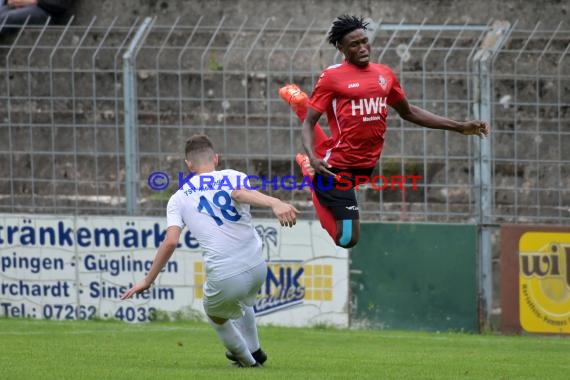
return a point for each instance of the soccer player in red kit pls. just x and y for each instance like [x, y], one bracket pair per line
[355, 96]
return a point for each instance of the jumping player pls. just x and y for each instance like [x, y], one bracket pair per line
[355, 96]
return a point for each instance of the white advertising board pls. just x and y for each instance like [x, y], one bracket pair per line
[77, 267]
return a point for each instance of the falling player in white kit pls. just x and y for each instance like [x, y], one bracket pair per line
[215, 207]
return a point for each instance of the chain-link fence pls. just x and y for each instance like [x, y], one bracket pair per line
[89, 112]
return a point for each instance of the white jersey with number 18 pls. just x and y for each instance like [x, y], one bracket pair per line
[222, 226]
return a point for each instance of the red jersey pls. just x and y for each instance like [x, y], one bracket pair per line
[356, 101]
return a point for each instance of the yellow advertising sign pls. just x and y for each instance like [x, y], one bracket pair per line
[544, 281]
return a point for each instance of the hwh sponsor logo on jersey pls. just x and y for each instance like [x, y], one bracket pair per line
[370, 106]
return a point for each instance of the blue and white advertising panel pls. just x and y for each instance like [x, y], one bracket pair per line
[77, 267]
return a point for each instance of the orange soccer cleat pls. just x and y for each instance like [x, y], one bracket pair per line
[293, 95]
[305, 165]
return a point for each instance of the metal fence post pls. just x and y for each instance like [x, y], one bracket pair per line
[131, 119]
[482, 110]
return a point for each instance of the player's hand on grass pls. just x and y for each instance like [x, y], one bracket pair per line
[475, 127]
[321, 167]
[137, 288]
[286, 213]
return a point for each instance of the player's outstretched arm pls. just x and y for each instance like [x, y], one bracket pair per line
[286, 213]
[427, 119]
[163, 254]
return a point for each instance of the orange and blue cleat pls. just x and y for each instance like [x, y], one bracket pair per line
[305, 165]
[293, 95]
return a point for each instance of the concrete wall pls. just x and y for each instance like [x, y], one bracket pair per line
[527, 12]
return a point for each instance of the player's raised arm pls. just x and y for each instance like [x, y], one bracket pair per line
[163, 254]
[286, 213]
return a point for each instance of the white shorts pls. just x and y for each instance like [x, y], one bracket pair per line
[225, 298]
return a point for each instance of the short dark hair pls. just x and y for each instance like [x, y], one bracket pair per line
[198, 144]
[343, 25]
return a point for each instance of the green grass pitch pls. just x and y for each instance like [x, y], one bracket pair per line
[31, 349]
